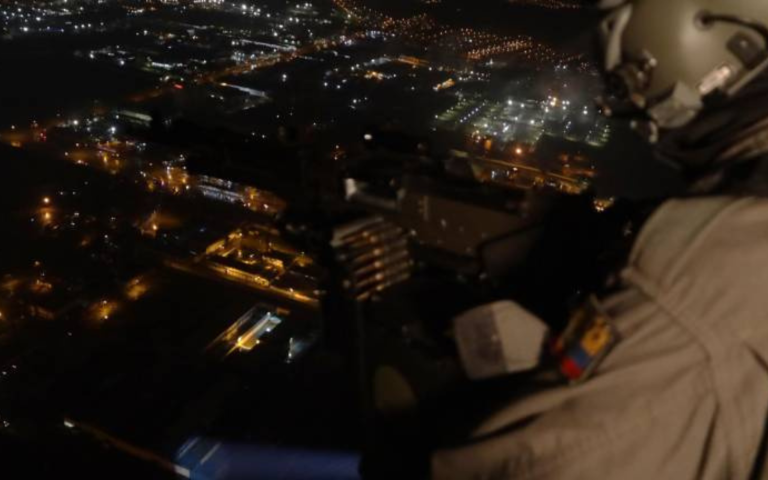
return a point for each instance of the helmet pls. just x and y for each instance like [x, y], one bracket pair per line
[667, 60]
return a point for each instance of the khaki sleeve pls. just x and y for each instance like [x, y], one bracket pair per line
[665, 441]
[649, 412]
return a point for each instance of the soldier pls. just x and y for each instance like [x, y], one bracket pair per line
[668, 375]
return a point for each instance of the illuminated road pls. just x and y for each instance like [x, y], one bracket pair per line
[207, 271]
[572, 185]
[126, 447]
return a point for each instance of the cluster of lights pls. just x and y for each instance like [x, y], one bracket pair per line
[550, 4]
[475, 45]
[528, 120]
[42, 17]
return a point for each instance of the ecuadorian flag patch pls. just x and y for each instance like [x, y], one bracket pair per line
[586, 341]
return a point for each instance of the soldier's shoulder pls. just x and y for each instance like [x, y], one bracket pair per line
[716, 236]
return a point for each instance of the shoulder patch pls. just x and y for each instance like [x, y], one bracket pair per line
[586, 341]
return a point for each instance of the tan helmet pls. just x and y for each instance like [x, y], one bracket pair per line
[666, 59]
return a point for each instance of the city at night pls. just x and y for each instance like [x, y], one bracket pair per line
[383, 239]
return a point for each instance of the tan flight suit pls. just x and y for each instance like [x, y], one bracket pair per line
[683, 394]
